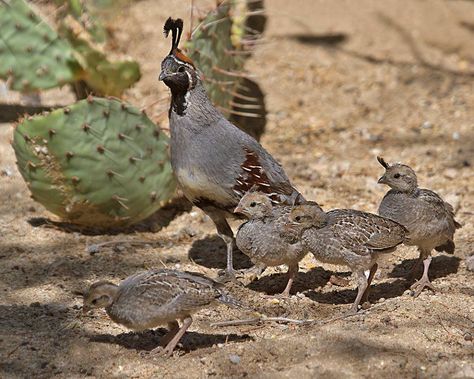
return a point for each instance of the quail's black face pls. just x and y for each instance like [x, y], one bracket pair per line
[178, 76]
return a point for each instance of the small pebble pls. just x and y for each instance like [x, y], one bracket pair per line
[470, 263]
[234, 358]
[468, 337]
[381, 300]
[427, 125]
[456, 136]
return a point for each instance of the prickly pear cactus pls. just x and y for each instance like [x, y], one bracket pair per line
[212, 50]
[104, 77]
[98, 163]
[219, 46]
[32, 56]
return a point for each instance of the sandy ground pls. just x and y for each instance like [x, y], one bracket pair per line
[345, 81]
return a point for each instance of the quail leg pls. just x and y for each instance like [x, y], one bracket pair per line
[373, 270]
[173, 328]
[362, 286]
[225, 232]
[255, 271]
[168, 350]
[424, 281]
[292, 271]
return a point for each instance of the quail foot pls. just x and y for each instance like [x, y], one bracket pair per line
[259, 238]
[157, 297]
[346, 237]
[428, 218]
[215, 163]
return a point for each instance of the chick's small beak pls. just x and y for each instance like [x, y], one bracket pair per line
[382, 180]
[238, 209]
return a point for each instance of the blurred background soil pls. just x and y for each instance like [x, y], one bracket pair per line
[345, 81]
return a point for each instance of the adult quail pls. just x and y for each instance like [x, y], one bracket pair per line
[428, 218]
[259, 238]
[346, 237]
[215, 163]
[156, 297]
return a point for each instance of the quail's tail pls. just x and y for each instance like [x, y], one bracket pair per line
[447, 247]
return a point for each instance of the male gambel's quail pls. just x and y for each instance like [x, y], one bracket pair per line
[215, 163]
[259, 237]
[346, 237]
[156, 297]
[429, 220]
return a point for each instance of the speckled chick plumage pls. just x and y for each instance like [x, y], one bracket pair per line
[259, 238]
[156, 297]
[428, 218]
[347, 237]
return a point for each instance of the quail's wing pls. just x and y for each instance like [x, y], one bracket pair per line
[439, 207]
[361, 231]
[168, 288]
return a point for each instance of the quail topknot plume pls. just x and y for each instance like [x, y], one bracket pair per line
[346, 237]
[156, 297]
[259, 238]
[428, 218]
[215, 162]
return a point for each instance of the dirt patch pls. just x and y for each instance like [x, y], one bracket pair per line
[345, 81]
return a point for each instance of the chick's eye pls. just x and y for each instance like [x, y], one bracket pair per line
[298, 218]
[94, 301]
[181, 69]
[396, 176]
[253, 204]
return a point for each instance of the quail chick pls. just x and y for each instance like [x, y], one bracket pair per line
[156, 297]
[259, 238]
[215, 163]
[429, 220]
[346, 237]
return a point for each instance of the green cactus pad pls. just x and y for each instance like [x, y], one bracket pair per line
[100, 74]
[211, 47]
[98, 162]
[31, 53]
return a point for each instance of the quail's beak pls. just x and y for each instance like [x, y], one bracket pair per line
[163, 75]
[382, 180]
[238, 209]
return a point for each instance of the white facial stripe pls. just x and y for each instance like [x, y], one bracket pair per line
[190, 80]
[181, 62]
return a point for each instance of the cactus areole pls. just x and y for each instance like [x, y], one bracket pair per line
[98, 162]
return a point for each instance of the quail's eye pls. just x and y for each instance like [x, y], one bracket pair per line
[396, 176]
[298, 218]
[181, 69]
[253, 204]
[94, 301]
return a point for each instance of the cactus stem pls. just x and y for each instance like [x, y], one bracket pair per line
[153, 196]
[101, 149]
[69, 155]
[75, 180]
[51, 133]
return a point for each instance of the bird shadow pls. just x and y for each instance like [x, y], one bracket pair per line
[158, 220]
[347, 296]
[211, 251]
[441, 266]
[329, 39]
[150, 339]
[275, 283]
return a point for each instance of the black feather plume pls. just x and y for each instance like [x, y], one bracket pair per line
[176, 28]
